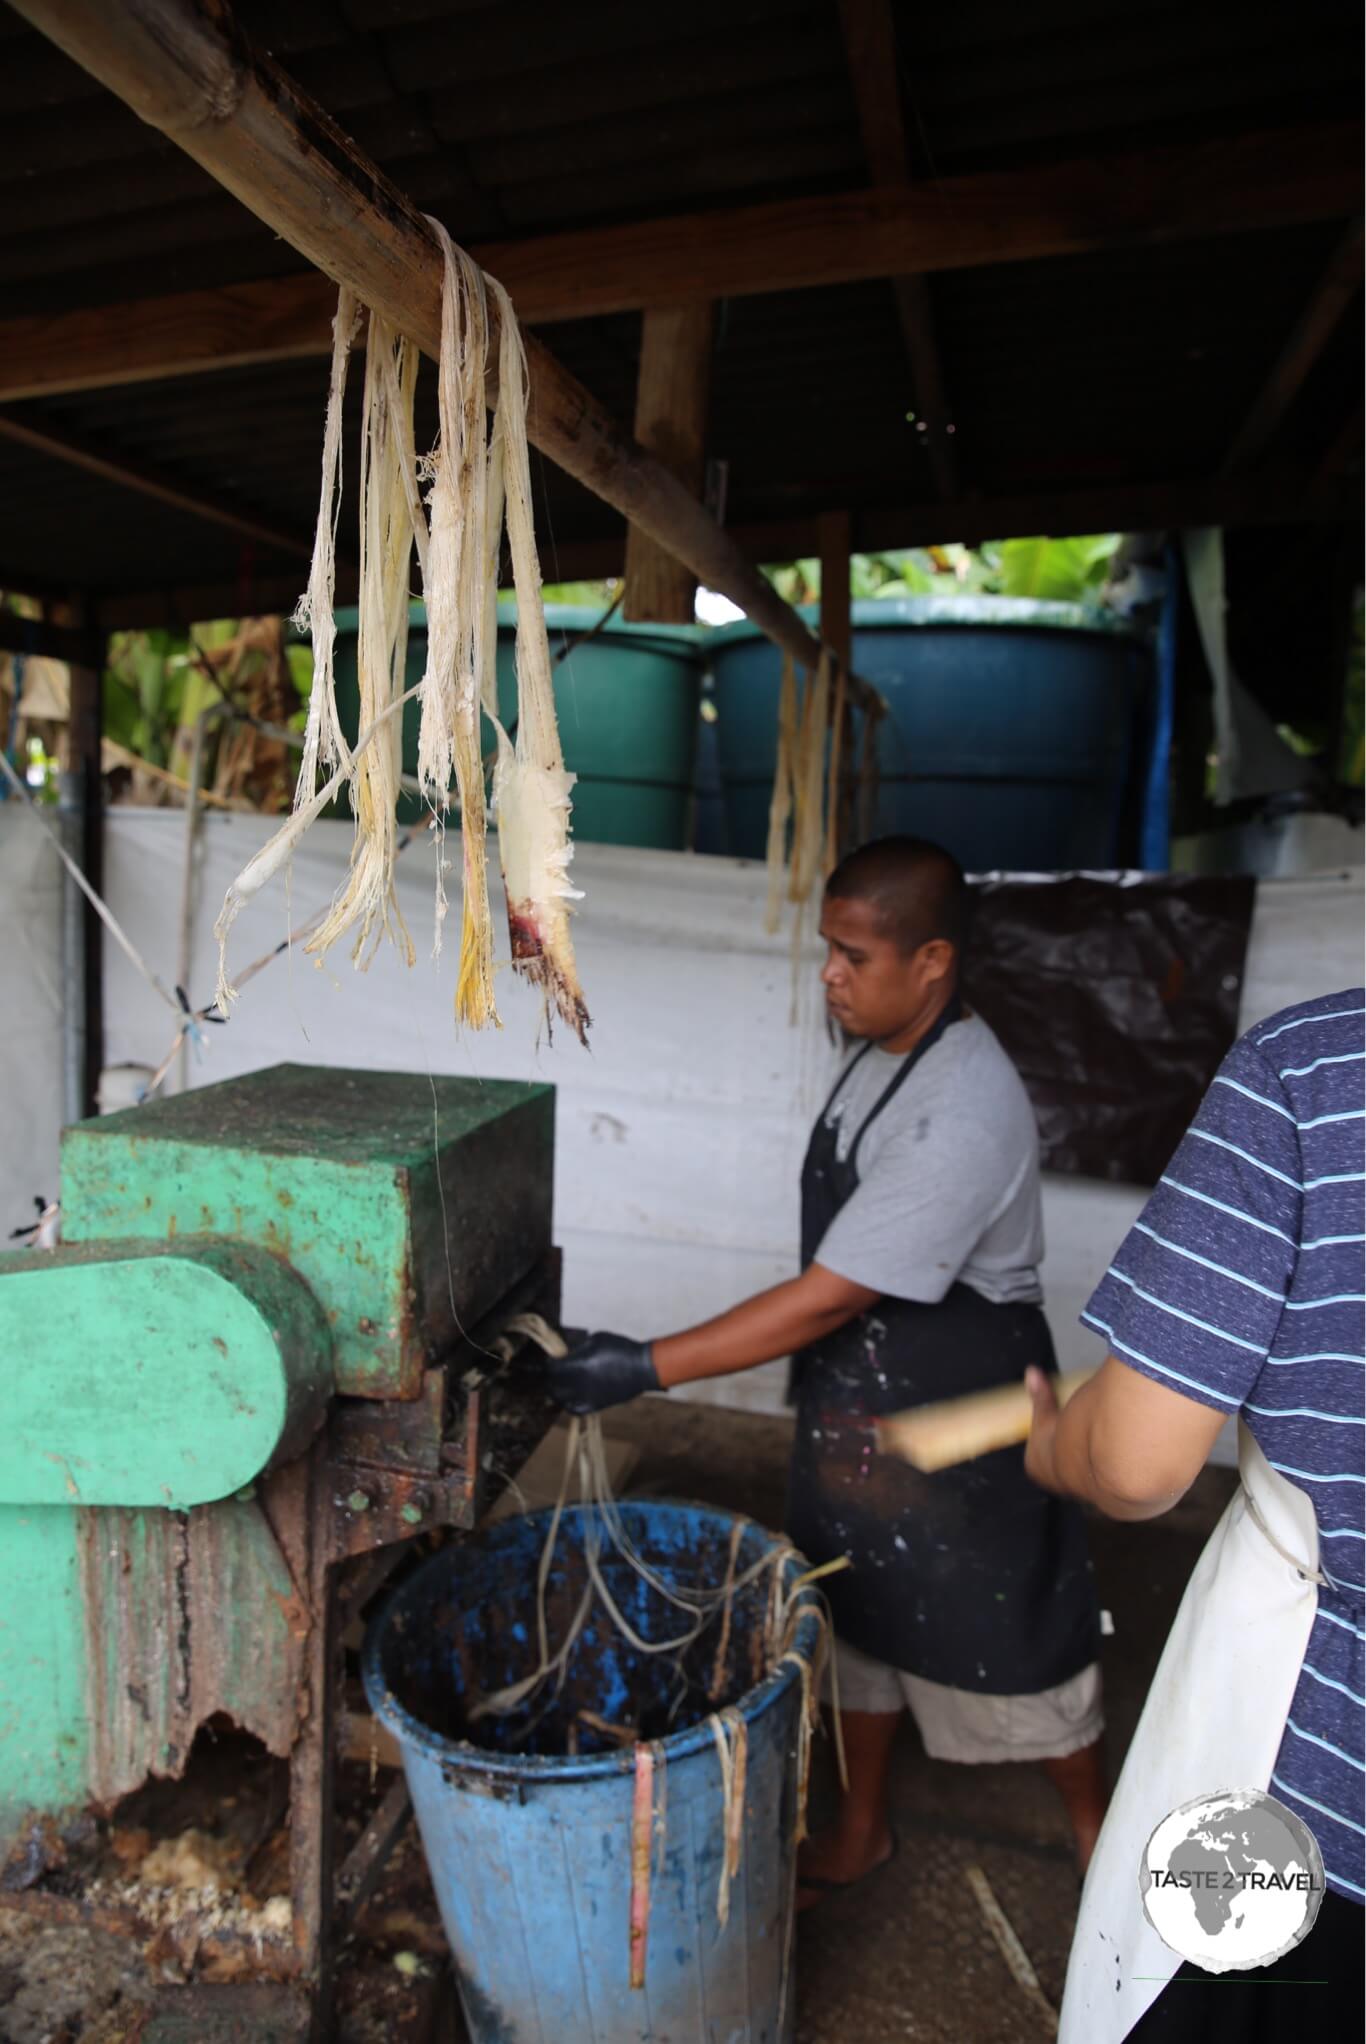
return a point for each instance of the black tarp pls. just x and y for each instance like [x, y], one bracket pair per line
[1116, 997]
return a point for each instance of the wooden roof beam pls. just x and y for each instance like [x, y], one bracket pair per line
[1270, 497]
[1181, 192]
[870, 51]
[189, 70]
[1308, 338]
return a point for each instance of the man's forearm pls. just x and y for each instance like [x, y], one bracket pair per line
[1078, 1464]
[773, 1323]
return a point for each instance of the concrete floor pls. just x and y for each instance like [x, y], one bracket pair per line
[907, 1955]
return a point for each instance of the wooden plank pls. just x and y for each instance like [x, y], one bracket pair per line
[871, 53]
[672, 394]
[370, 1854]
[1344, 449]
[191, 72]
[45, 639]
[312, 1762]
[149, 482]
[279, 319]
[1180, 192]
[1308, 338]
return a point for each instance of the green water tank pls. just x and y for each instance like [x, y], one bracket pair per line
[627, 701]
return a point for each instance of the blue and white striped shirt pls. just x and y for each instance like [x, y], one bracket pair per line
[1242, 1286]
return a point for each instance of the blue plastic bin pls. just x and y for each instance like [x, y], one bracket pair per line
[530, 1850]
[1012, 730]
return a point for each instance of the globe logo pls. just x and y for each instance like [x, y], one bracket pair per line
[1231, 1880]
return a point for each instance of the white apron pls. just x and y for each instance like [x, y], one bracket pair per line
[1214, 1719]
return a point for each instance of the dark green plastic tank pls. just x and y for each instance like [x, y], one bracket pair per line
[1010, 737]
[627, 702]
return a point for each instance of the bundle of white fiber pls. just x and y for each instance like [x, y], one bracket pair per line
[805, 793]
[474, 478]
[368, 902]
[530, 784]
[458, 641]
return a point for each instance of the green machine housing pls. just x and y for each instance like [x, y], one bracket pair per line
[267, 1355]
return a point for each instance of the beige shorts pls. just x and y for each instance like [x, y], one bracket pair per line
[962, 1724]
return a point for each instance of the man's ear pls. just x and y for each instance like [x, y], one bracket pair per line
[940, 958]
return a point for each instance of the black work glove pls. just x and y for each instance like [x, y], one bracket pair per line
[603, 1370]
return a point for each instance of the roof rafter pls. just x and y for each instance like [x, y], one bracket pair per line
[1180, 192]
[1307, 340]
[870, 50]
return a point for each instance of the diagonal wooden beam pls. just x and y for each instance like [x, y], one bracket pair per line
[1308, 338]
[871, 55]
[149, 482]
[1183, 191]
[187, 68]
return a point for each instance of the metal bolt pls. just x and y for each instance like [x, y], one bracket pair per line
[416, 1509]
[359, 1501]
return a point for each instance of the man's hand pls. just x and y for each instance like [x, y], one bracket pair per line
[1123, 1443]
[1040, 1449]
[604, 1369]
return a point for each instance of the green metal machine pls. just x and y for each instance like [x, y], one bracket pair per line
[261, 1362]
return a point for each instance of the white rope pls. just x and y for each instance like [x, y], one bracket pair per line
[102, 910]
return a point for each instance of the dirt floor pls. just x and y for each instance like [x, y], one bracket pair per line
[909, 1955]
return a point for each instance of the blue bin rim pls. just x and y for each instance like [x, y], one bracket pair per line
[529, 1768]
[680, 642]
[882, 613]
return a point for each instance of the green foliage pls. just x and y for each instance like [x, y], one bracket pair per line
[1058, 570]
[591, 595]
[144, 690]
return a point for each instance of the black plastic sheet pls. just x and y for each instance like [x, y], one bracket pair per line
[1116, 997]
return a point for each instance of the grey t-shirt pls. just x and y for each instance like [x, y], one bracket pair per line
[948, 1175]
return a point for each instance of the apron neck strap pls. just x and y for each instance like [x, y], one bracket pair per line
[951, 1012]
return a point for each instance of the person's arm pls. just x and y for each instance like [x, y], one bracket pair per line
[778, 1322]
[1123, 1443]
[607, 1369]
[1190, 1306]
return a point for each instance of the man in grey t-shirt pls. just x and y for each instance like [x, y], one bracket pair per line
[967, 1596]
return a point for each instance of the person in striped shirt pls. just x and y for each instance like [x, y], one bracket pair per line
[1240, 1292]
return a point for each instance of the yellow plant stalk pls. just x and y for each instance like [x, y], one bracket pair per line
[457, 635]
[530, 784]
[780, 809]
[808, 779]
[476, 479]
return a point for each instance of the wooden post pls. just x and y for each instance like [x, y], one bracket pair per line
[671, 423]
[81, 823]
[189, 70]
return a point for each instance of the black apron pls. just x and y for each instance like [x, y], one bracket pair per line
[972, 1576]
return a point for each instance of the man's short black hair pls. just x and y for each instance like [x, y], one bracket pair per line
[916, 888]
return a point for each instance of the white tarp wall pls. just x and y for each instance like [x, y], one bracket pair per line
[30, 1016]
[680, 1133]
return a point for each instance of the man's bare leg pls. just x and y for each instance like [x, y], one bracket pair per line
[861, 1836]
[1079, 1779]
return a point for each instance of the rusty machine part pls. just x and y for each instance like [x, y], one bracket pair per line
[269, 1356]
